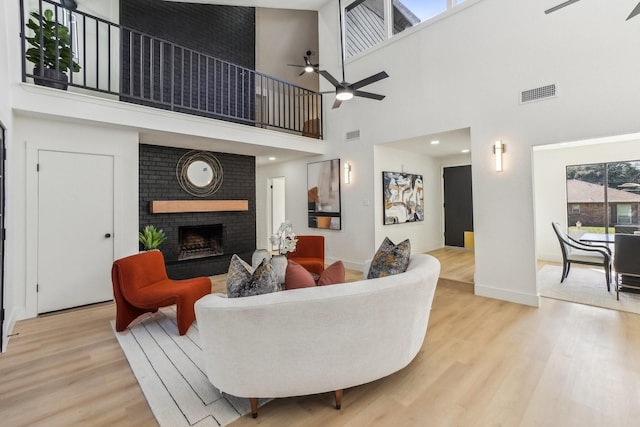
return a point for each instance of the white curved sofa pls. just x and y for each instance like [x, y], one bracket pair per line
[320, 339]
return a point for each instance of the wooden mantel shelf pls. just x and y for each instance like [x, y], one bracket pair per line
[180, 206]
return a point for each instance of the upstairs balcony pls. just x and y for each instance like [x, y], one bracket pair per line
[106, 59]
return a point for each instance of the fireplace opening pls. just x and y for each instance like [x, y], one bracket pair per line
[199, 241]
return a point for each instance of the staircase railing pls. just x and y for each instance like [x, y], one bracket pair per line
[147, 70]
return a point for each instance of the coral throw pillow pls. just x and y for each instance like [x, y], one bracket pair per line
[332, 275]
[297, 277]
[390, 259]
[244, 281]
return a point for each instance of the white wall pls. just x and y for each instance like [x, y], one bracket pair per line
[467, 71]
[282, 34]
[31, 134]
[550, 188]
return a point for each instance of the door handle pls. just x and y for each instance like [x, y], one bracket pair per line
[108, 235]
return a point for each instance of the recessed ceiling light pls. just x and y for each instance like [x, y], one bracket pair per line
[272, 158]
[466, 150]
[435, 142]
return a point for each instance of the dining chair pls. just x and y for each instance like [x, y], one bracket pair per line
[626, 262]
[576, 252]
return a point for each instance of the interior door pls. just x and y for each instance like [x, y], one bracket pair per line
[277, 205]
[75, 227]
[458, 204]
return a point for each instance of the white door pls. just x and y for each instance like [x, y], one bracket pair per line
[75, 227]
[277, 205]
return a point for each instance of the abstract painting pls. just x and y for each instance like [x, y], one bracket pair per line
[403, 197]
[323, 194]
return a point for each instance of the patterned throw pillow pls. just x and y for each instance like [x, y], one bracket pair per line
[390, 259]
[244, 281]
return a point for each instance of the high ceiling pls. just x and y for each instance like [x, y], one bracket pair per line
[278, 4]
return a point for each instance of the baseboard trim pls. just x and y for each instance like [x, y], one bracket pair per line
[506, 295]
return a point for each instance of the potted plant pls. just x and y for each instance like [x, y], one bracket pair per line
[50, 50]
[151, 237]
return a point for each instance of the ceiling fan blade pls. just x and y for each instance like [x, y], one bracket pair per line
[295, 65]
[372, 79]
[336, 104]
[634, 12]
[560, 6]
[302, 72]
[369, 95]
[329, 77]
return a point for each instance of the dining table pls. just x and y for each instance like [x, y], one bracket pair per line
[598, 238]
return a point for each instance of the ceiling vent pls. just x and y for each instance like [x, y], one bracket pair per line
[544, 92]
[354, 134]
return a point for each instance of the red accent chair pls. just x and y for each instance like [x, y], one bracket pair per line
[309, 253]
[141, 285]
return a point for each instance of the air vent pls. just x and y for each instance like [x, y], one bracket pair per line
[538, 93]
[354, 134]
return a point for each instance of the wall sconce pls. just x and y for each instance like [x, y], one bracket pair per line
[498, 149]
[347, 173]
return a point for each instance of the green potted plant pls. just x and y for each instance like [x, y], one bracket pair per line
[50, 50]
[151, 237]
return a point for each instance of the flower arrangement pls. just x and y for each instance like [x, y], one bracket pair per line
[285, 239]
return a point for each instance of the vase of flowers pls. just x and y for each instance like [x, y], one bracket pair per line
[285, 240]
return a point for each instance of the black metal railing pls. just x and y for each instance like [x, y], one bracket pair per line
[101, 56]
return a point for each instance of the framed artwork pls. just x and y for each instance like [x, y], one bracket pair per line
[403, 197]
[323, 194]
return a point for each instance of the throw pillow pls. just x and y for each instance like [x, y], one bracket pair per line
[244, 281]
[390, 259]
[332, 275]
[297, 277]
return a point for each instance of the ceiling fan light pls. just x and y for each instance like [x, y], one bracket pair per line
[343, 94]
[308, 68]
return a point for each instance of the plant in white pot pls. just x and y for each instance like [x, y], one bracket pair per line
[50, 50]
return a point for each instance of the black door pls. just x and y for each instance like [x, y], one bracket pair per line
[458, 204]
[2, 169]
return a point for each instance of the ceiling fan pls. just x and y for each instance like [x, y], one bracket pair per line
[308, 66]
[344, 89]
[634, 12]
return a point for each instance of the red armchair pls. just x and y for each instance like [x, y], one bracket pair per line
[309, 253]
[141, 285]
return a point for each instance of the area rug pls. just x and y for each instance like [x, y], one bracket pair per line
[170, 371]
[584, 286]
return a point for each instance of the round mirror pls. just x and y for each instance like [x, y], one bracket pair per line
[199, 173]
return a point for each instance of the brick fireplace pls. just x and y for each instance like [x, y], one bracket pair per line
[198, 243]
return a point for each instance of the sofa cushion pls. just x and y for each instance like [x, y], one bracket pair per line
[390, 259]
[332, 275]
[297, 277]
[244, 281]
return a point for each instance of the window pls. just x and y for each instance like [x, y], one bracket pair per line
[603, 196]
[366, 20]
[364, 26]
[407, 13]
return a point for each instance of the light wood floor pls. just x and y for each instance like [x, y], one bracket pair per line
[484, 363]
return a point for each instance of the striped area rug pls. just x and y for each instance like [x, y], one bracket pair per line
[170, 371]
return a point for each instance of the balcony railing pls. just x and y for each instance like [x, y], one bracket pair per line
[147, 70]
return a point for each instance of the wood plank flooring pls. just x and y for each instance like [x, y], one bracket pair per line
[484, 363]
